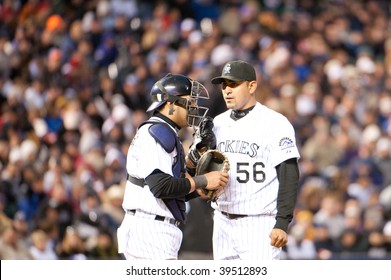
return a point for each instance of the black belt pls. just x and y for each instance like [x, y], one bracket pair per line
[136, 181]
[233, 216]
[157, 218]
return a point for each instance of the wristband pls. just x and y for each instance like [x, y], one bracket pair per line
[200, 181]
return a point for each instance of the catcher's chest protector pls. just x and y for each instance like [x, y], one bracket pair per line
[168, 139]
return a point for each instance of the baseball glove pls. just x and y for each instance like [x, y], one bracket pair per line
[212, 160]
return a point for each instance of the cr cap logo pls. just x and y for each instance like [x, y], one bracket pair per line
[227, 69]
[286, 143]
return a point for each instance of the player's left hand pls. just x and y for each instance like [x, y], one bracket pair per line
[278, 237]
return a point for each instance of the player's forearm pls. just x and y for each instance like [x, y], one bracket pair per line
[164, 185]
[288, 176]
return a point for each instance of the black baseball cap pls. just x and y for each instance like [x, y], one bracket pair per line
[236, 71]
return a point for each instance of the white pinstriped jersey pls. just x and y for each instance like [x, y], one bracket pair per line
[144, 156]
[255, 145]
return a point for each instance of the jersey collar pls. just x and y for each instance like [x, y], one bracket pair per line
[238, 114]
[167, 120]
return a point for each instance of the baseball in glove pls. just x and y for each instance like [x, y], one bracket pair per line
[212, 160]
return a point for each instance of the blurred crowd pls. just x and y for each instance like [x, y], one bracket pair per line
[74, 85]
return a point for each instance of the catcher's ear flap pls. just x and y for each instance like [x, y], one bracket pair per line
[203, 164]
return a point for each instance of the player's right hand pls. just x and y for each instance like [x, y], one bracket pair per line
[217, 180]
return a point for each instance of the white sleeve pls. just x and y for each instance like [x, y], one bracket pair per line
[284, 143]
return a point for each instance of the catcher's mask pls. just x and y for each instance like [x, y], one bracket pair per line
[171, 88]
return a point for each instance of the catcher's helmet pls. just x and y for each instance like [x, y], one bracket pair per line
[171, 87]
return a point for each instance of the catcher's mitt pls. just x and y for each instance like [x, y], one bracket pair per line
[212, 160]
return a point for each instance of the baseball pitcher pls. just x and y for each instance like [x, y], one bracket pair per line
[253, 212]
